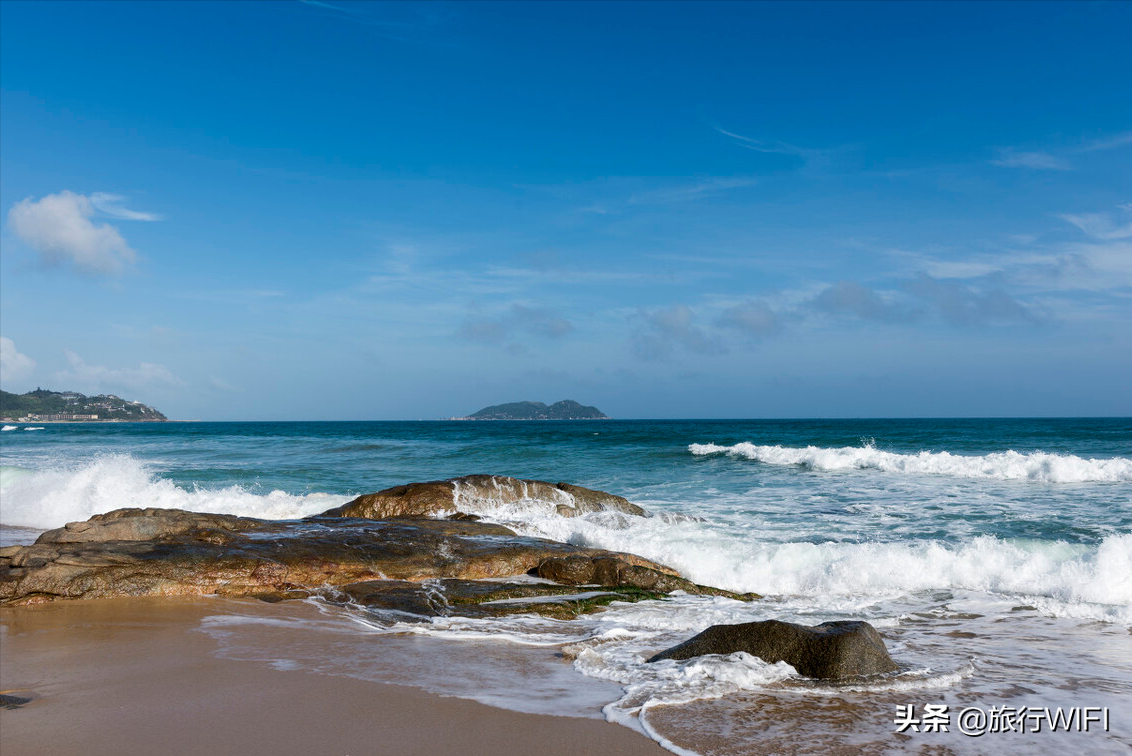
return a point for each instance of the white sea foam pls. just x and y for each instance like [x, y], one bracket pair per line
[677, 682]
[37, 427]
[52, 498]
[9, 474]
[1077, 580]
[1072, 579]
[1009, 465]
[10, 428]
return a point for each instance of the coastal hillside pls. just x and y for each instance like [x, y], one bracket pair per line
[567, 409]
[42, 405]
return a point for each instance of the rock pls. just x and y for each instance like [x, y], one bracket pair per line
[831, 650]
[578, 569]
[587, 570]
[479, 599]
[150, 524]
[9, 701]
[137, 552]
[481, 493]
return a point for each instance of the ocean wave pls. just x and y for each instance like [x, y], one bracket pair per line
[9, 474]
[10, 428]
[1084, 580]
[51, 498]
[1010, 465]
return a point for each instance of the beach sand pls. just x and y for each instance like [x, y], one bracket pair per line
[135, 676]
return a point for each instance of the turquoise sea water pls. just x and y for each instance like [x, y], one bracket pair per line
[1002, 528]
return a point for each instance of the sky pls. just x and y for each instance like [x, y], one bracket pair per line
[360, 211]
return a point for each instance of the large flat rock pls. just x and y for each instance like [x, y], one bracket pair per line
[138, 552]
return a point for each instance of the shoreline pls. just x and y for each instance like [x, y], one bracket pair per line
[136, 675]
[90, 422]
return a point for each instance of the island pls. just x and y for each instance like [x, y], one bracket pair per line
[567, 409]
[43, 406]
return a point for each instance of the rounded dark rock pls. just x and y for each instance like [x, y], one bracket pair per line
[831, 650]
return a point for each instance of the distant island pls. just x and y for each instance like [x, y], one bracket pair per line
[564, 410]
[42, 406]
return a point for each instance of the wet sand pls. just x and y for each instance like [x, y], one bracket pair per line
[126, 676]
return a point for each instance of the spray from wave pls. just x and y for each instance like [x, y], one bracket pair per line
[51, 498]
[1085, 580]
[1010, 465]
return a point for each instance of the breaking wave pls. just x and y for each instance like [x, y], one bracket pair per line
[1085, 580]
[1010, 465]
[51, 498]
[1071, 579]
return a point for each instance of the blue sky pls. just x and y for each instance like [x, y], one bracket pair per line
[308, 210]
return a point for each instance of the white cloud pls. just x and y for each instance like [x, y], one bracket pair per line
[687, 192]
[752, 317]
[1046, 161]
[1008, 158]
[110, 204]
[95, 379]
[1100, 266]
[1102, 225]
[1108, 143]
[534, 321]
[13, 365]
[813, 157]
[658, 331]
[59, 228]
[768, 145]
[853, 298]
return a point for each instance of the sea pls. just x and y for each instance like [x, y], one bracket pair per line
[993, 555]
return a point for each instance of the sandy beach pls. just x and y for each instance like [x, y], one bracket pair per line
[125, 676]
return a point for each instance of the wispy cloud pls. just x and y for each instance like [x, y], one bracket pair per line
[59, 228]
[692, 191]
[1103, 225]
[1063, 270]
[1042, 161]
[1055, 160]
[88, 378]
[615, 195]
[770, 145]
[111, 204]
[1107, 143]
